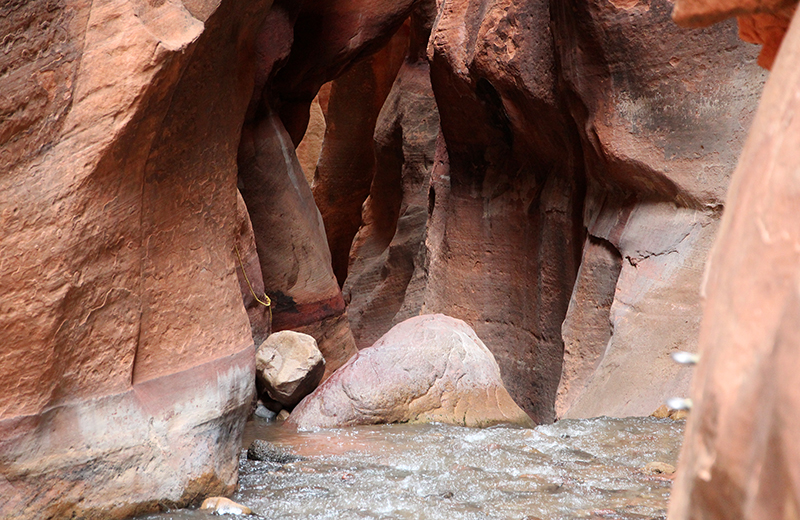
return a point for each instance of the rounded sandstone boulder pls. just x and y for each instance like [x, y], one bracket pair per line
[430, 368]
[288, 366]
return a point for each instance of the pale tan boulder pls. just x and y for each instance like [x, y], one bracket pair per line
[430, 368]
[289, 366]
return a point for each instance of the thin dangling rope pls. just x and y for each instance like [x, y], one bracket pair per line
[266, 302]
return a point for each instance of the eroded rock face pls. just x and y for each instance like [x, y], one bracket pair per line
[388, 248]
[578, 177]
[309, 148]
[430, 368]
[740, 457]
[347, 159]
[658, 158]
[117, 226]
[295, 256]
[504, 236]
[289, 366]
[251, 283]
[290, 239]
[536, 164]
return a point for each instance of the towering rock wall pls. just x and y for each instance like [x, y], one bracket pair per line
[663, 120]
[118, 220]
[296, 263]
[740, 457]
[127, 366]
[386, 249]
[552, 172]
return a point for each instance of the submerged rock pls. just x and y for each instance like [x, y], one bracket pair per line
[264, 413]
[268, 452]
[430, 368]
[289, 366]
[225, 506]
[664, 412]
[658, 468]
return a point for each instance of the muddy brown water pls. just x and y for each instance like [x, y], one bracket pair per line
[574, 469]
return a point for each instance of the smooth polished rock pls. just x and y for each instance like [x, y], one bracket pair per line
[430, 368]
[127, 368]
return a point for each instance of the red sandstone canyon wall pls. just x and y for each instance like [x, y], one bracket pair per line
[119, 134]
[551, 172]
[557, 185]
[739, 458]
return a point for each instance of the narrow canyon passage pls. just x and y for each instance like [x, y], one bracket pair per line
[515, 201]
[547, 172]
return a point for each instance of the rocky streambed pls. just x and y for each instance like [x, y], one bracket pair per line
[588, 469]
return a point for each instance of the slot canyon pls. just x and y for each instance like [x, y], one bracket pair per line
[578, 189]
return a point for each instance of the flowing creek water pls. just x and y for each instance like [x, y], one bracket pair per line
[574, 469]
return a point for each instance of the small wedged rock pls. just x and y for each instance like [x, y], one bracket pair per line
[430, 368]
[289, 366]
[268, 452]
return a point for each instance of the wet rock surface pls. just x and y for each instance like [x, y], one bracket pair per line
[267, 452]
[224, 506]
[430, 368]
